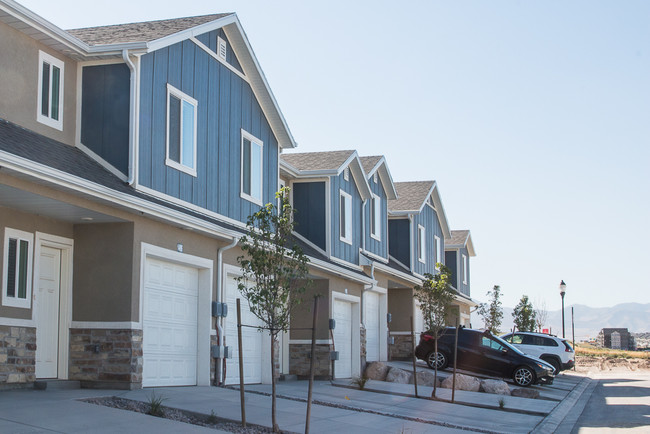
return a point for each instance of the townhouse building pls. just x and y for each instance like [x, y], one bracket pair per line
[130, 158]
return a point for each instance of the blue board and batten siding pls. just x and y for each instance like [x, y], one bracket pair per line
[309, 205]
[428, 218]
[454, 260]
[377, 247]
[399, 240]
[226, 104]
[105, 113]
[341, 249]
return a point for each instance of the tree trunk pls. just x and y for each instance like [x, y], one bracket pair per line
[276, 428]
[435, 367]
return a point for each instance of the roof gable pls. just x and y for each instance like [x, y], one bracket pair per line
[461, 239]
[413, 197]
[377, 164]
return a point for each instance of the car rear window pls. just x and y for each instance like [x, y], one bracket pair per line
[548, 342]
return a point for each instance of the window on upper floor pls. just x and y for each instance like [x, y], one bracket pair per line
[50, 91]
[375, 217]
[464, 269]
[181, 131]
[252, 151]
[438, 248]
[345, 217]
[17, 269]
[421, 244]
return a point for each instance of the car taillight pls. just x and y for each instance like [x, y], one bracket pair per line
[426, 337]
[567, 347]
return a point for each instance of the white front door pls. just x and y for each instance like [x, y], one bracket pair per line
[342, 314]
[372, 326]
[47, 313]
[252, 339]
[170, 324]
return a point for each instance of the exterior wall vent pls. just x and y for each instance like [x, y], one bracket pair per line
[221, 48]
[346, 173]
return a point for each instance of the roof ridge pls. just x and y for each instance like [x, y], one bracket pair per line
[151, 21]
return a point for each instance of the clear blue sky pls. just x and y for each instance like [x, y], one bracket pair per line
[533, 116]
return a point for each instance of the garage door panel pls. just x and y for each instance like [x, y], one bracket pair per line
[170, 327]
[342, 313]
[372, 324]
[251, 338]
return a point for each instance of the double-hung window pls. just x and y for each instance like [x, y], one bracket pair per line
[422, 246]
[438, 248]
[50, 91]
[252, 152]
[181, 131]
[464, 270]
[375, 217]
[345, 213]
[17, 269]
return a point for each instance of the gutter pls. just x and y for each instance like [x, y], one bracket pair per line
[219, 321]
[132, 116]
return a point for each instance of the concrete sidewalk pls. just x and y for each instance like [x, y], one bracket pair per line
[335, 409]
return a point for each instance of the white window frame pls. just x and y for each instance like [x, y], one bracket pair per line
[422, 244]
[347, 224]
[171, 90]
[47, 120]
[222, 53]
[15, 301]
[254, 140]
[375, 205]
[464, 269]
[438, 247]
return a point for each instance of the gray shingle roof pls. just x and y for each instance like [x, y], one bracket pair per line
[458, 238]
[331, 160]
[140, 32]
[410, 195]
[369, 163]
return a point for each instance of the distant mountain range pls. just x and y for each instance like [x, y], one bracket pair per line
[588, 320]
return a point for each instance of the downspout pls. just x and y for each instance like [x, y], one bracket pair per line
[219, 321]
[132, 117]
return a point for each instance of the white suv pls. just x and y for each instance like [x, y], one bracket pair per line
[556, 351]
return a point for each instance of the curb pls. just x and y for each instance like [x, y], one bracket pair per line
[551, 423]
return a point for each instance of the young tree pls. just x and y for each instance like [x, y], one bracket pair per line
[435, 297]
[541, 314]
[524, 315]
[492, 312]
[274, 272]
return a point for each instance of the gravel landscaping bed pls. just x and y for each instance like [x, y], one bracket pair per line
[209, 421]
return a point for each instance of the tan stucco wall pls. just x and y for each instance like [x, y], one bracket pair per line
[302, 317]
[19, 90]
[10, 218]
[103, 272]
[400, 306]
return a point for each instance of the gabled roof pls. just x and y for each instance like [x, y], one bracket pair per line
[377, 164]
[146, 31]
[413, 196]
[460, 239]
[329, 163]
[140, 38]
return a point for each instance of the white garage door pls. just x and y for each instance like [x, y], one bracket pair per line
[372, 326]
[169, 340]
[418, 322]
[251, 338]
[342, 313]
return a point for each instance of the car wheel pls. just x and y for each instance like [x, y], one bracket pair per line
[553, 362]
[441, 360]
[523, 376]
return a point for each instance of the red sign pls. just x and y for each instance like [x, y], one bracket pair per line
[545, 331]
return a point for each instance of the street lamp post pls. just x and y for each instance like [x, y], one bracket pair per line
[562, 292]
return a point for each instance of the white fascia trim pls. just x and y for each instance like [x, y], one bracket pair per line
[358, 174]
[346, 263]
[190, 33]
[391, 271]
[440, 211]
[306, 241]
[17, 322]
[214, 55]
[105, 164]
[342, 272]
[401, 333]
[80, 185]
[292, 143]
[374, 256]
[191, 206]
[106, 325]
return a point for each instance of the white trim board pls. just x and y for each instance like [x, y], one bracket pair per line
[112, 325]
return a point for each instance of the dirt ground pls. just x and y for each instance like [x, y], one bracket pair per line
[599, 364]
